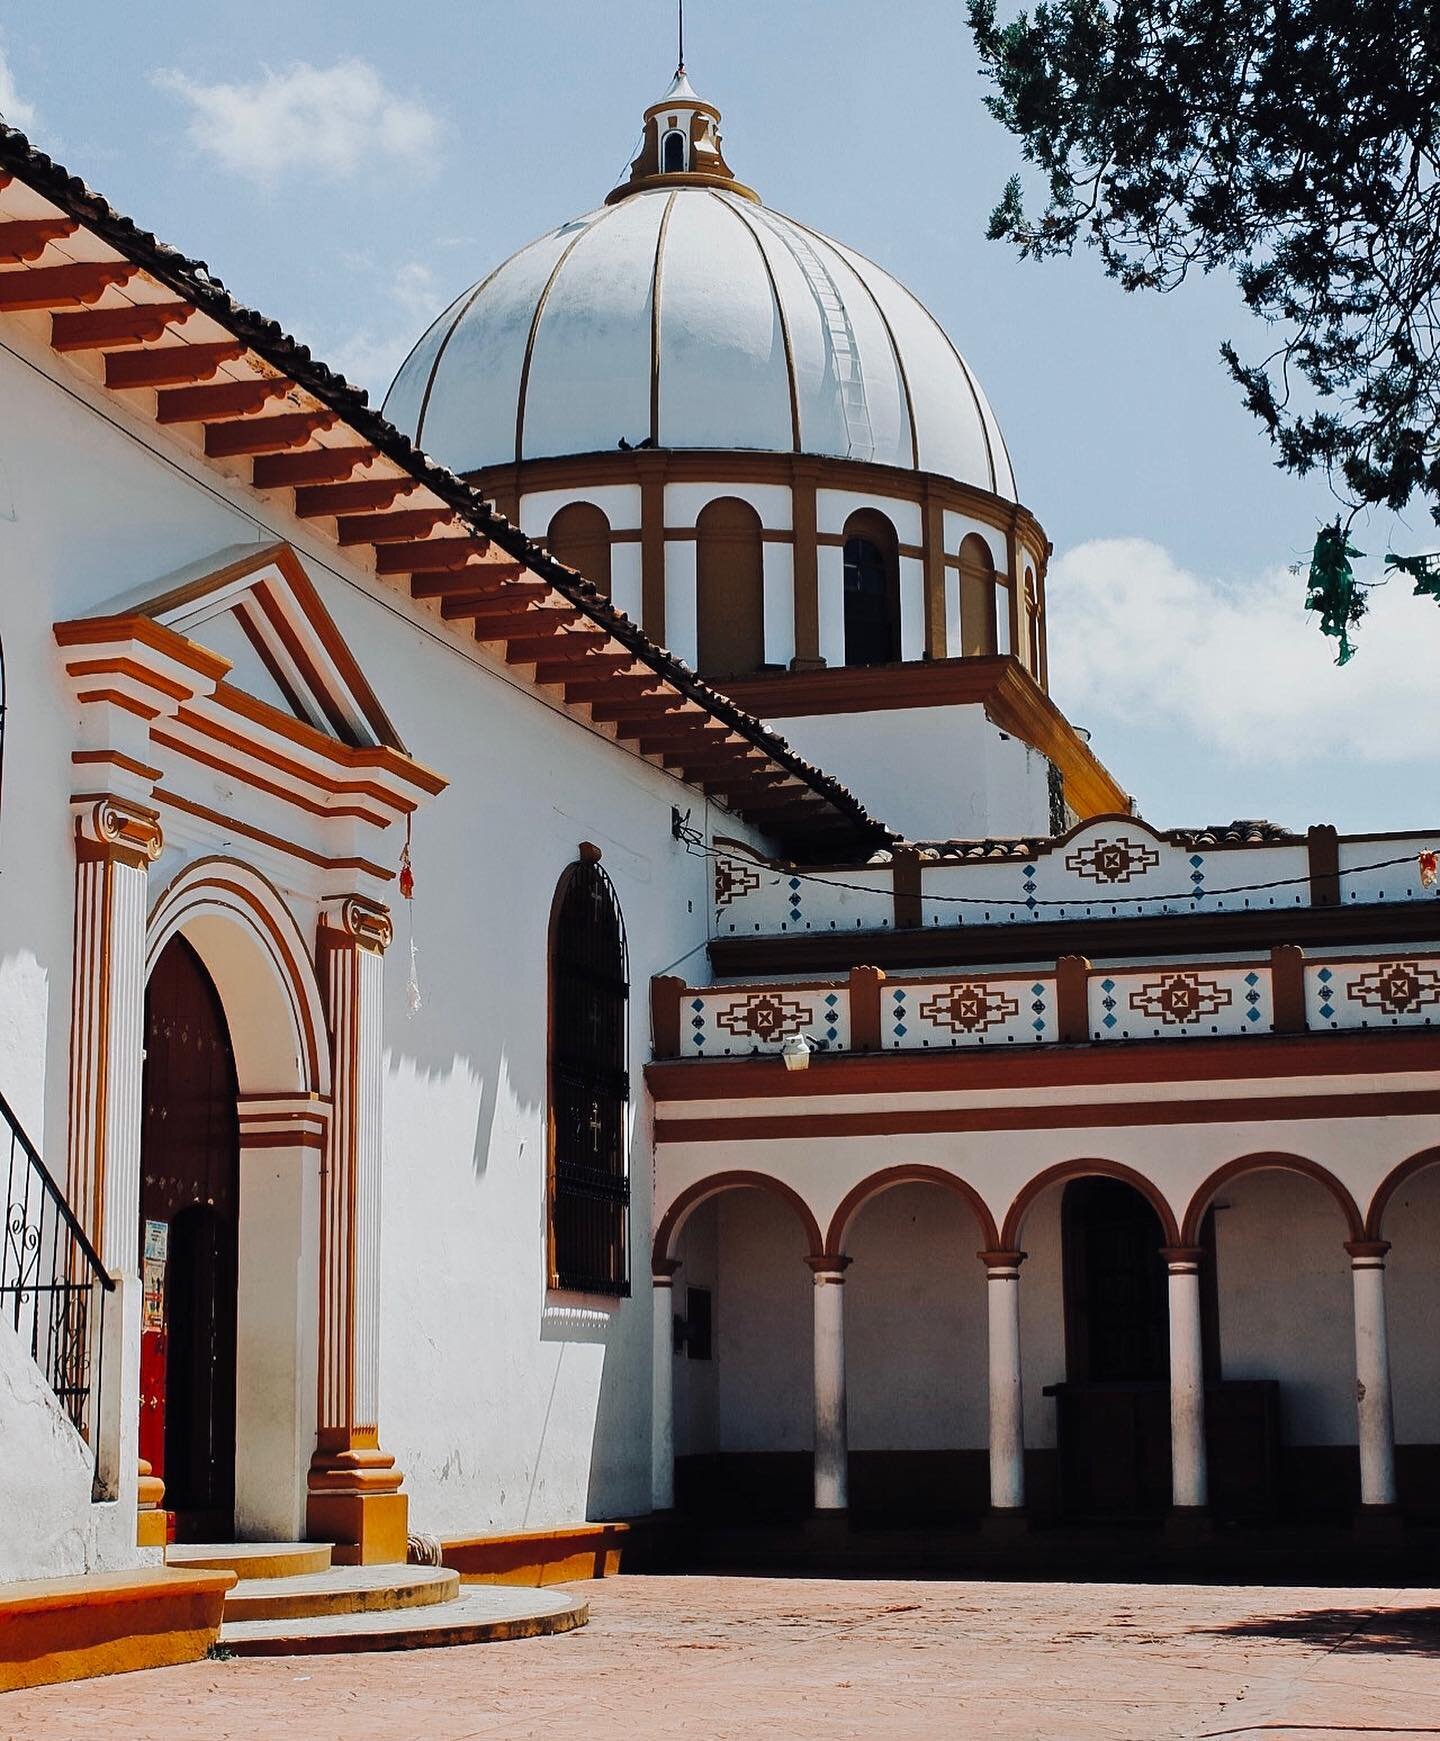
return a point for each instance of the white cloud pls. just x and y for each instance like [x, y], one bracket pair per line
[1241, 667]
[12, 109]
[330, 121]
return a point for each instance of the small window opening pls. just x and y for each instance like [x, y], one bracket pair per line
[673, 153]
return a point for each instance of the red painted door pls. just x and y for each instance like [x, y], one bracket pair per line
[189, 1224]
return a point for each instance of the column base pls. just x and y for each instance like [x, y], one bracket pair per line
[1380, 1525]
[368, 1529]
[151, 1525]
[827, 1529]
[1187, 1524]
[1003, 1524]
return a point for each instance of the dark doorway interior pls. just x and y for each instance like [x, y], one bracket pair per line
[189, 1227]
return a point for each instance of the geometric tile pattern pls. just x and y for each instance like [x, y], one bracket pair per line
[1112, 861]
[1397, 987]
[766, 1014]
[1401, 993]
[732, 880]
[1177, 998]
[727, 1023]
[966, 1012]
[1179, 1002]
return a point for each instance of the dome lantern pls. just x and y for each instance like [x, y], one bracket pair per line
[680, 147]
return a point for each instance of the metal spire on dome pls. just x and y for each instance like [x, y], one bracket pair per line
[680, 64]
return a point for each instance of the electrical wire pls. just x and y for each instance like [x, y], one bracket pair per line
[696, 844]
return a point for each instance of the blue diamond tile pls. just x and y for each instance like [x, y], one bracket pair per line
[697, 1003]
[899, 1030]
[1038, 1026]
[899, 996]
[832, 999]
[1037, 991]
[1107, 985]
[1252, 1015]
[1325, 975]
[1030, 901]
[1252, 979]
[1109, 1021]
[1326, 1011]
[1196, 860]
[831, 1034]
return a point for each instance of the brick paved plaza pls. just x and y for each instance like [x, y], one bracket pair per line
[734, 1657]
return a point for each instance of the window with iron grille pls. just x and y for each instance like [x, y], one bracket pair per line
[589, 1084]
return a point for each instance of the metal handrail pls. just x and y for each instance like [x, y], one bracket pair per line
[52, 1283]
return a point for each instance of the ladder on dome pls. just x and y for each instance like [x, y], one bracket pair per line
[859, 433]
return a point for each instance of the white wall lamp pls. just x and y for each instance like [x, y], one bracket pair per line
[796, 1050]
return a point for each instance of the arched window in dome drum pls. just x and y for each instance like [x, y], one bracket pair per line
[589, 1082]
[1032, 626]
[673, 153]
[872, 590]
[730, 589]
[978, 634]
[579, 535]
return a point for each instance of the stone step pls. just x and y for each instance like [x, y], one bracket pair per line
[481, 1614]
[342, 1590]
[60, 1629]
[251, 1560]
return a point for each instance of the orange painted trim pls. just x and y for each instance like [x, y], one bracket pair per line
[882, 1181]
[1088, 1169]
[103, 631]
[1105, 1115]
[694, 1195]
[233, 825]
[1267, 1162]
[1096, 1064]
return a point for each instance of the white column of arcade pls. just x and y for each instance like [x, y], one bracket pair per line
[1189, 1475]
[832, 1449]
[1372, 1372]
[662, 1407]
[1007, 1410]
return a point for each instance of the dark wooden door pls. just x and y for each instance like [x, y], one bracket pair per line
[189, 1226]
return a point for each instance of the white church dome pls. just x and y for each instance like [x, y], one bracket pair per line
[684, 314]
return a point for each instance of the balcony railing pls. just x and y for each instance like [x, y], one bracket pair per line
[1072, 1003]
[52, 1284]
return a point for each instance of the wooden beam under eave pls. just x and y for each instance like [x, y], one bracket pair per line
[325, 465]
[565, 671]
[257, 435]
[226, 399]
[616, 688]
[170, 366]
[575, 644]
[138, 323]
[494, 605]
[429, 555]
[45, 287]
[408, 523]
[674, 726]
[359, 496]
[28, 238]
[637, 708]
[474, 577]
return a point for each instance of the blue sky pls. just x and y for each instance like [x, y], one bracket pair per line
[349, 168]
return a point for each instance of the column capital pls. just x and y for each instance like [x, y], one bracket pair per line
[1183, 1259]
[1002, 1265]
[109, 827]
[1367, 1253]
[829, 1266]
[361, 920]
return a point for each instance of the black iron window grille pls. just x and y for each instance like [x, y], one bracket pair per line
[52, 1283]
[589, 1086]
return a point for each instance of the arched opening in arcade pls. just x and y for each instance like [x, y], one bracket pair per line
[1409, 1218]
[979, 623]
[1283, 1409]
[915, 1351]
[872, 590]
[743, 1359]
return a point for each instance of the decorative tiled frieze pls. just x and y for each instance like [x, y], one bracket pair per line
[1181, 1003]
[745, 1022]
[929, 1013]
[1397, 992]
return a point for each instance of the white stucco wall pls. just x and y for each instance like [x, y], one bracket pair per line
[933, 773]
[503, 1407]
[1412, 1224]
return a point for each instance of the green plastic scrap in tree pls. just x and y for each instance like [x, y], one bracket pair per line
[1334, 591]
[1423, 570]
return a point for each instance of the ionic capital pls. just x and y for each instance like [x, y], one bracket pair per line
[117, 828]
[363, 921]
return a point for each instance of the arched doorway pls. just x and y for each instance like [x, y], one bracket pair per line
[189, 1241]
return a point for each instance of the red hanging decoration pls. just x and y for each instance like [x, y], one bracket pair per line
[1429, 868]
[407, 875]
